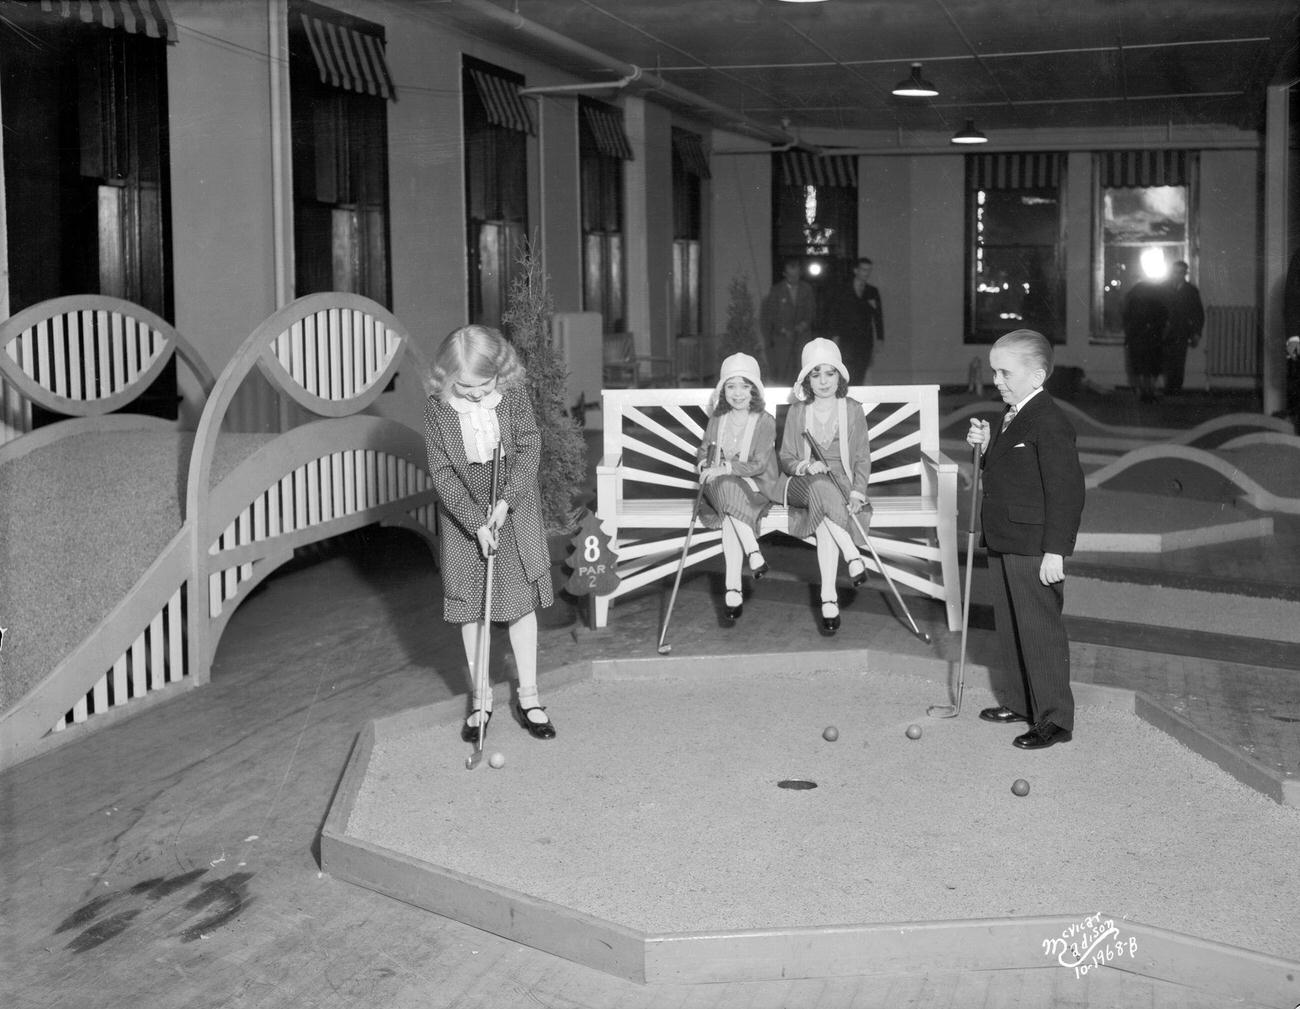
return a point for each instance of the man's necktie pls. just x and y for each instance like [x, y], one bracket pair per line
[1008, 417]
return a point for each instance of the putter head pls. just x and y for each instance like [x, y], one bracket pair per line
[473, 760]
[942, 711]
[665, 649]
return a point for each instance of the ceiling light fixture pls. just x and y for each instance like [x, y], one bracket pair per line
[915, 86]
[969, 135]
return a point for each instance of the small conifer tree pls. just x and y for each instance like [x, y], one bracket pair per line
[741, 335]
[527, 324]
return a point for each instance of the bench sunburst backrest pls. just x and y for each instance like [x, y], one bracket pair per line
[656, 433]
[84, 355]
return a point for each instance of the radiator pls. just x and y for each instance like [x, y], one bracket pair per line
[1232, 341]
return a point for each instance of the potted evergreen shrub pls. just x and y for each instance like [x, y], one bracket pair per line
[741, 335]
[563, 471]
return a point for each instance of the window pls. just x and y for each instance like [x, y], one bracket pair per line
[497, 125]
[602, 149]
[1016, 248]
[690, 169]
[86, 165]
[815, 215]
[339, 84]
[1144, 225]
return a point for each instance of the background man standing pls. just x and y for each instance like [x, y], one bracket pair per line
[1146, 314]
[858, 322]
[787, 319]
[1291, 326]
[1183, 328]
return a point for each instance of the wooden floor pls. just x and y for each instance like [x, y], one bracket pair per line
[170, 861]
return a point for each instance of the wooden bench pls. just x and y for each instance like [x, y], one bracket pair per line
[646, 485]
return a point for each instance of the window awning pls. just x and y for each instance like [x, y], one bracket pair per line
[1040, 170]
[1131, 169]
[606, 127]
[138, 17]
[690, 148]
[504, 104]
[349, 59]
[800, 168]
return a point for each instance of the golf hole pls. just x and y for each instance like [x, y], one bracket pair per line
[798, 784]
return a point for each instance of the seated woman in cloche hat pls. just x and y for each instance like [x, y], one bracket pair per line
[822, 497]
[739, 469]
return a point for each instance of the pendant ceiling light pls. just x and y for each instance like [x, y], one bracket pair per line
[915, 86]
[969, 135]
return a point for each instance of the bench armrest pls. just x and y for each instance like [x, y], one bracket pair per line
[937, 461]
[610, 462]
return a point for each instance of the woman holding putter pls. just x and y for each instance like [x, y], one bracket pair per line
[815, 493]
[742, 480]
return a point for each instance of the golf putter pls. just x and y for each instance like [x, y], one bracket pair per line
[816, 450]
[664, 647]
[481, 685]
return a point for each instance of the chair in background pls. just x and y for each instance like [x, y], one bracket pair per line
[624, 368]
[619, 370]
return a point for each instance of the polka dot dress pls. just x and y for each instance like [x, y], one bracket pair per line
[513, 595]
[521, 580]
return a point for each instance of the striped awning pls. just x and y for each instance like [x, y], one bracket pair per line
[1015, 171]
[1132, 169]
[349, 59]
[138, 17]
[800, 168]
[690, 148]
[606, 125]
[504, 104]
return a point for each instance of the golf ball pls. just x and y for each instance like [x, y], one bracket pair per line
[830, 733]
[913, 732]
[497, 760]
[1020, 787]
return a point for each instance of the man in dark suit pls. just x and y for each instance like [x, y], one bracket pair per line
[786, 318]
[1291, 324]
[857, 321]
[1033, 500]
[1145, 316]
[1183, 325]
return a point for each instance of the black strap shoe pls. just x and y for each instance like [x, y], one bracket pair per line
[538, 730]
[757, 570]
[861, 576]
[735, 605]
[830, 617]
[468, 732]
[1001, 714]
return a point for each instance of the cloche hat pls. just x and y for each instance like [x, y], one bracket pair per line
[815, 352]
[738, 366]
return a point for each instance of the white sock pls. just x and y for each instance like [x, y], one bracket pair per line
[528, 701]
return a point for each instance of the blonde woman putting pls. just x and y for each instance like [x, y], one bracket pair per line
[742, 479]
[813, 494]
[480, 402]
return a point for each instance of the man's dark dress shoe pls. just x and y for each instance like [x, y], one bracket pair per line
[1001, 714]
[1042, 735]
